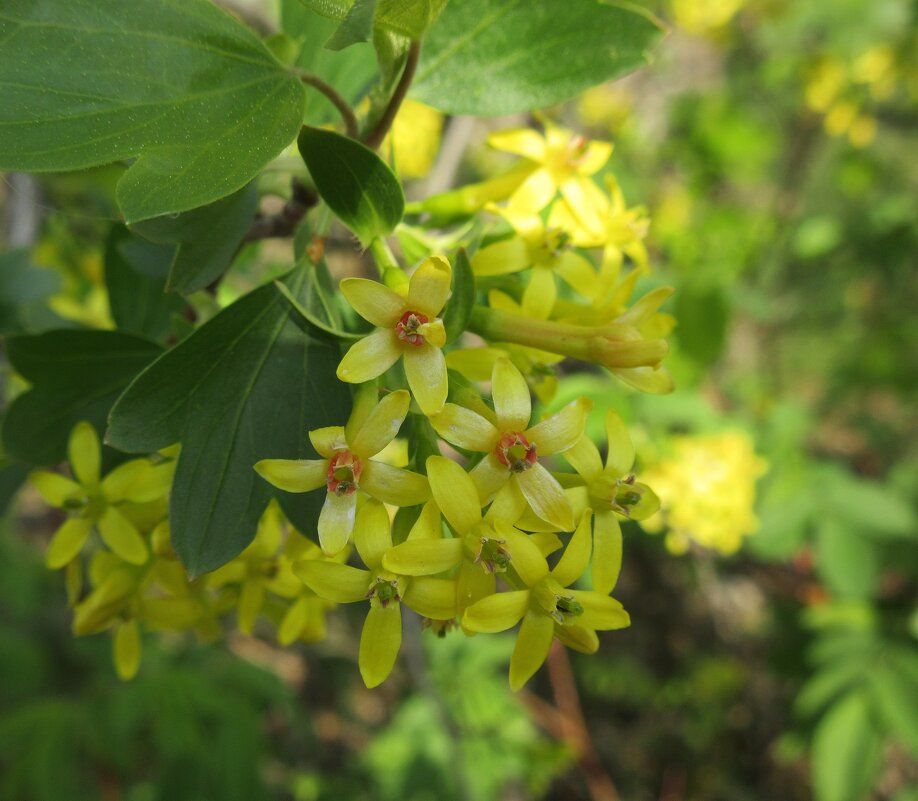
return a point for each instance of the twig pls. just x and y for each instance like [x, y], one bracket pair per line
[452, 149]
[344, 108]
[375, 137]
[284, 223]
[24, 213]
[573, 725]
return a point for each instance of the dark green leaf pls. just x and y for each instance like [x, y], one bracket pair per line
[846, 751]
[458, 309]
[135, 276]
[322, 314]
[207, 238]
[184, 87]
[869, 506]
[846, 560]
[703, 314]
[75, 375]
[356, 27]
[356, 183]
[247, 385]
[487, 58]
[22, 287]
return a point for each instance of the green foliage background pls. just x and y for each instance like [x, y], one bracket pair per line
[789, 670]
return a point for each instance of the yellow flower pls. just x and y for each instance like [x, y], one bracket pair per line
[381, 637]
[547, 251]
[561, 161]
[415, 138]
[407, 327]
[510, 472]
[91, 501]
[483, 545]
[548, 609]
[707, 491]
[348, 469]
[611, 492]
[476, 364]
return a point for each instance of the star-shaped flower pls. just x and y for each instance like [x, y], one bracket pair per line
[406, 327]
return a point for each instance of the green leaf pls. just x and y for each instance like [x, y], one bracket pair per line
[874, 508]
[487, 58]
[410, 18]
[135, 276]
[897, 699]
[846, 560]
[247, 385]
[356, 184]
[207, 238]
[458, 309]
[846, 751]
[703, 313]
[356, 27]
[184, 87]
[75, 375]
[23, 287]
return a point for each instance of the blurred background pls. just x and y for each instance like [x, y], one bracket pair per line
[773, 652]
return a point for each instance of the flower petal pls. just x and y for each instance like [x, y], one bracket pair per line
[54, 488]
[584, 457]
[476, 364]
[120, 535]
[454, 492]
[85, 453]
[607, 551]
[127, 650]
[540, 294]
[464, 428]
[334, 581]
[531, 649]
[393, 485]
[423, 557]
[472, 584]
[507, 256]
[294, 621]
[600, 612]
[432, 597]
[497, 612]
[380, 641]
[535, 193]
[429, 525]
[512, 403]
[370, 357]
[425, 368]
[251, 600]
[373, 301]
[579, 274]
[508, 505]
[578, 638]
[428, 288]
[562, 430]
[546, 497]
[138, 481]
[654, 381]
[525, 556]
[523, 142]
[336, 521]
[372, 533]
[294, 475]
[595, 157]
[67, 542]
[576, 556]
[329, 440]
[488, 476]
[382, 424]
[620, 459]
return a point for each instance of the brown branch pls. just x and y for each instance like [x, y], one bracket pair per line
[573, 725]
[285, 222]
[343, 107]
[375, 137]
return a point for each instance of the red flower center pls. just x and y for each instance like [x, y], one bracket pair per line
[406, 329]
[344, 471]
[515, 451]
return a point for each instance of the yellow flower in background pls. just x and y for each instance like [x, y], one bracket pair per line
[702, 17]
[347, 467]
[415, 138]
[707, 491]
[547, 608]
[510, 474]
[91, 501]
[537, 366]
[548, 252]
[561, 162]
[406, 327]
[381, 637]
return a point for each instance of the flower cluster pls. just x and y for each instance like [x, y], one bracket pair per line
[496, 515]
